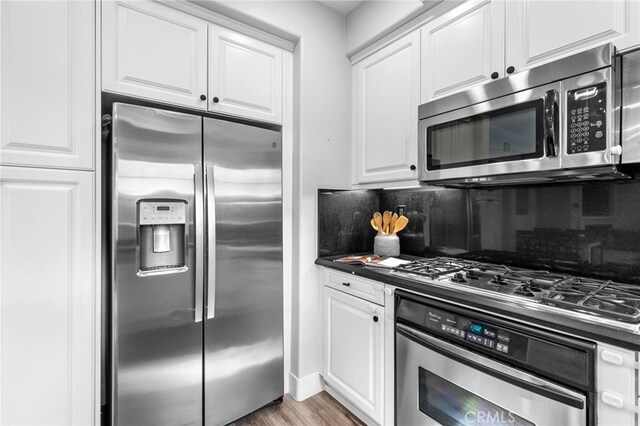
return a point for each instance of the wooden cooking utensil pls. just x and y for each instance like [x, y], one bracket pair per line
[392, 224]
[400, 224]
[373, 224]
[386, 219]
[377, 217]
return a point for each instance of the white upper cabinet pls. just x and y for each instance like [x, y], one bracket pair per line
[462, 48]
[488, 39]
[47, 89]
[386, 95]
[245, 76]
[153, 51]
[539, 31]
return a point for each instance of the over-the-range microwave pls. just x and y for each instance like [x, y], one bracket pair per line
[577, 118]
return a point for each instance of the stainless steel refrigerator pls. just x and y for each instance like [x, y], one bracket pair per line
[196, 276]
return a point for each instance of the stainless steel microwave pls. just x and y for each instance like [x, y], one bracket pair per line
[555, 122]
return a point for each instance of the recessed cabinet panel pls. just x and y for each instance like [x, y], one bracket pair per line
[47, 297]
[47, 92]
[386, 98]
[462, 49]
[541, 31]
[155, 52]
[245, 76]
[353, 347]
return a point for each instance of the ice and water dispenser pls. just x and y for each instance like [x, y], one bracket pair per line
[162, 235]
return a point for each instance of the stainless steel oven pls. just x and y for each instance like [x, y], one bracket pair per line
[457, 366]
[555, 122]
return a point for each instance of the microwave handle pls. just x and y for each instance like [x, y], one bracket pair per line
[551, 122]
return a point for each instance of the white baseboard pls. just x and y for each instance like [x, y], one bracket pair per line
[301, 389]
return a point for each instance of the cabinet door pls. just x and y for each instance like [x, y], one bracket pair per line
[386, 94]
[47, 297]
[47, 92]
[155, 52]
[245, 76]
[353, 344]
[463, 48]
[542, 30]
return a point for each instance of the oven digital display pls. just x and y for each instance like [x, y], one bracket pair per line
[163, 208]
[476, 328]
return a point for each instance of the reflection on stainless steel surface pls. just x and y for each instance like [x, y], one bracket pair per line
[156, 354]
[243, 344]
[630, 132]
[168, 366]
[602, 302]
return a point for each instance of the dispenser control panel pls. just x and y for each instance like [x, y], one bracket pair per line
[162, 213]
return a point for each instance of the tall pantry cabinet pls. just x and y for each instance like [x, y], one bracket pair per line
[48, 290]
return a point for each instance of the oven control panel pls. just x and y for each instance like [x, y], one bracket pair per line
[488, 336]
[587, 119]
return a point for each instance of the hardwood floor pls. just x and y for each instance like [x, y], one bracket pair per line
[320, 409]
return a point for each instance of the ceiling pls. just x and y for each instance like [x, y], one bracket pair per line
[342, 6]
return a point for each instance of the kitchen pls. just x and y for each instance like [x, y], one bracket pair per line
[340, 88]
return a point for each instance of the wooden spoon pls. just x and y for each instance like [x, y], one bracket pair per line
[400, 224]
[377, 217]
[373, 224]
[392, 224]
[386, 219]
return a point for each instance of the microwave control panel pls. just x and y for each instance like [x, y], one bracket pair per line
[587, 119]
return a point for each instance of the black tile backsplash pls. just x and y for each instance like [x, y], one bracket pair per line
[590, 229]
[343, 221]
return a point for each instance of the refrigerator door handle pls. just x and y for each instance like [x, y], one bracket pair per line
[211, 243]
[199, 222]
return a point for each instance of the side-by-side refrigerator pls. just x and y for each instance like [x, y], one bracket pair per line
[196, 276]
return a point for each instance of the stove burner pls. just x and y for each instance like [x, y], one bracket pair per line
[498, 279]
[458, 278]
[615, 302]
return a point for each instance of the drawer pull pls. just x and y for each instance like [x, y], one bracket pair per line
[616, 359]
[375, 318]
[346, 284]
[616, 401]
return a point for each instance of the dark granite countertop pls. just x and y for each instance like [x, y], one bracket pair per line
[620, 338]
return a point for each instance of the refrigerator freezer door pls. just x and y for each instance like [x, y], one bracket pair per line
[243, 330]
[157, 342]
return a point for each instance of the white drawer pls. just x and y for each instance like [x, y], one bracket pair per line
[370, 290]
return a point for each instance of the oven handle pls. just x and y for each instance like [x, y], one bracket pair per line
[479, 362]
[551, 123]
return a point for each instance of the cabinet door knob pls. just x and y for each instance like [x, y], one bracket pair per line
[203, 98]
[215, 100]
[375, 318]
[412, 167]
[495, 75]
[510, 70]
[346, 284]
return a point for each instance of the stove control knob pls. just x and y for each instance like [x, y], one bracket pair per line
[498, 278]
[458, 276]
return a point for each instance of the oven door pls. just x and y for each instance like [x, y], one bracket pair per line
[441, 383]
[511, 134]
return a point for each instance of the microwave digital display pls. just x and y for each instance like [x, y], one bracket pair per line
[507, 134]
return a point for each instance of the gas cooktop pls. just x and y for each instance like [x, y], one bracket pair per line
[604, 302]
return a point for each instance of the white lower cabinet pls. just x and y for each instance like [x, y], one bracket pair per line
[353, 350]
[47, 297]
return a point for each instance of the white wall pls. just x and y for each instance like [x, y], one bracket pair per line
[371, 20]
[322, 146]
